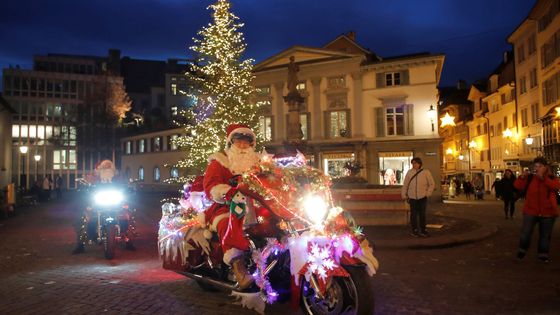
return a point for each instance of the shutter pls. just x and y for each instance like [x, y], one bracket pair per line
[409, 119]
[405, 77]
[380, 77]
[380, 120]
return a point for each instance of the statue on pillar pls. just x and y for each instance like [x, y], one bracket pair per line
[294, 101]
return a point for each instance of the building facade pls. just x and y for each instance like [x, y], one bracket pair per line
[357, 107]
[6, 112]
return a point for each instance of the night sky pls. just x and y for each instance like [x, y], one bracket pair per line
[472, 33]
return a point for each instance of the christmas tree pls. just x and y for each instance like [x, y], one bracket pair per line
[221, 88]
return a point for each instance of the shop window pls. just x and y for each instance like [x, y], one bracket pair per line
[393, 167]
[333, 164]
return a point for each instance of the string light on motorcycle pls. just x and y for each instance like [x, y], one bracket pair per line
[315, 208]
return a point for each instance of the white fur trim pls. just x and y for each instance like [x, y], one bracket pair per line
[214, 224]
[240, 130]
[218, 192]
[231, 254]
[221, 158]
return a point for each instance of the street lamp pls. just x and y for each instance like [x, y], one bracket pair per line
[23, 150]
[529, 140]
[37, 158]
[432, 115]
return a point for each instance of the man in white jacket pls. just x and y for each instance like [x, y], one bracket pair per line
[417, 187]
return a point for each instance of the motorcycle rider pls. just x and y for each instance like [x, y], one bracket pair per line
[105, 171]
[238, 157]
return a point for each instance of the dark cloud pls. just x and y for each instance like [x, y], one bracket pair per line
[472, 34]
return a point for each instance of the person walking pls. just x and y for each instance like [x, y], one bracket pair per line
[46, 188]
[540, 207]
[58, 186]
[508, 193]
[417, 187]
[467, 187]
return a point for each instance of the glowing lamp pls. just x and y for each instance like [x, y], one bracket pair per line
[472, 144]
[449, 151]
[23, 149]
[447, 120]
[507, 133]
[37, 157]
[529, 140]
[461, 157]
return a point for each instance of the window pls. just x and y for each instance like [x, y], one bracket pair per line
[394, 121]
[174, 172]
[263, 90]
[491, 131]
[499, 129]
[156, 144]
[534, 113]
[304, 120]
[533, 78]
[532, 44]
[141, 145]
[172, 142]
[506, 122]
[478, 130]
[550, 89]
[157, 174]
[522, 85]
[173, 88]
[521, 53]
[128, 147]
[265, 127]
[141, 173]
[338, 124]
[174, 111]
[392, 78]
[524, 117]
[485, 129]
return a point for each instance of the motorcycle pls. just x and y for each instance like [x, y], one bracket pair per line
[303, 248]
[112, 216]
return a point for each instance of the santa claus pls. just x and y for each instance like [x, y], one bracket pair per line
[227, 214]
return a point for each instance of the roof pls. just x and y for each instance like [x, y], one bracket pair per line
[451, 95]
[140, 75]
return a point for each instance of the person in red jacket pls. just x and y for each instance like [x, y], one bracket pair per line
[227, 214]
[540, 207]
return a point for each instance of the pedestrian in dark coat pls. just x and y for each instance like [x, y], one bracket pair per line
[508, 193]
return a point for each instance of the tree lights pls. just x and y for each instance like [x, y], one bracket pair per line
[221, 88]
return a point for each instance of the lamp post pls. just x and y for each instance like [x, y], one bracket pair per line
[37, 158]
[432, 115]
[23, 150]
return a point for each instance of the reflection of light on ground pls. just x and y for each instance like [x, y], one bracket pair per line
[137, 272]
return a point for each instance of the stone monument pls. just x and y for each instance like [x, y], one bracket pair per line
[294, 101]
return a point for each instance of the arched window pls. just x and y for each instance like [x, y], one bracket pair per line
[174, 172]
[157, 174]
[141, 173]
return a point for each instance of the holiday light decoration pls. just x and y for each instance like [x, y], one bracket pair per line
[221, 88]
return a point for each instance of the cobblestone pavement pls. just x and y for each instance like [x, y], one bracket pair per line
[39, 276]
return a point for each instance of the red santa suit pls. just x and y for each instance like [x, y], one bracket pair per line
[218, 187]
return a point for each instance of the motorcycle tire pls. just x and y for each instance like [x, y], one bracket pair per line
[347, 295]
[110, 241]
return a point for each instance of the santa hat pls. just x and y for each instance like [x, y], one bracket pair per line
[239, 129]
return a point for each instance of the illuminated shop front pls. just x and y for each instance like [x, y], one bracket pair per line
[333, 164]
[393, 167]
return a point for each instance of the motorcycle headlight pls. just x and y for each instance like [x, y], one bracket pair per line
[315, 208]
[108, 197]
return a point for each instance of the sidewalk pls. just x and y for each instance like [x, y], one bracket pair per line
[449, 224]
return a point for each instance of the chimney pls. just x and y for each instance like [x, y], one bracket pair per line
[505, 57]
[461, 85]
[351, 35]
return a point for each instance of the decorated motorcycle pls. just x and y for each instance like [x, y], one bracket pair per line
[304, 249]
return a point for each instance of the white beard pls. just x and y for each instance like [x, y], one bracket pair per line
[241, 160]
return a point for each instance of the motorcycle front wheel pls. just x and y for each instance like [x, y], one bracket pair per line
[110, 241]
[344, 295]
